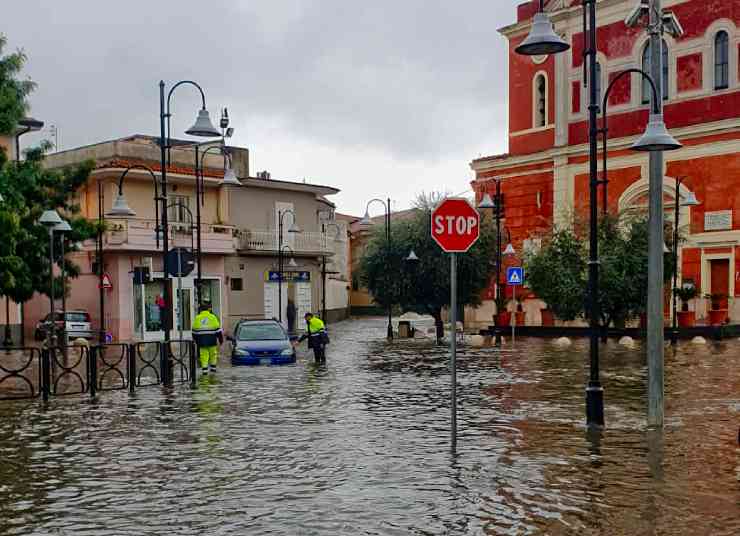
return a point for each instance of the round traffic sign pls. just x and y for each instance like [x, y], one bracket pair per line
[455, 225]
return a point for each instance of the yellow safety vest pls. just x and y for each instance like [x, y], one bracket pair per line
[315, 325]
[206, 329]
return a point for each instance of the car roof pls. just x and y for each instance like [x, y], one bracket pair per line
[258, 321]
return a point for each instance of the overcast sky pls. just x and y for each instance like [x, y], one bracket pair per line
[382, 98]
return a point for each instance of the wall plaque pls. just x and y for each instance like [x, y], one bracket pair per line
[720, 220]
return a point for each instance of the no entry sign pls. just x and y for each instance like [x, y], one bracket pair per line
[455, 225]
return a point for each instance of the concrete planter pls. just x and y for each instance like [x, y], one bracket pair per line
[686, 319]
[503, 319]
[717, 317]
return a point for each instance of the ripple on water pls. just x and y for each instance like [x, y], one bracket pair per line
[361, 447]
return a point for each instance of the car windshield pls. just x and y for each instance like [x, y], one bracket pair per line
[260, 332]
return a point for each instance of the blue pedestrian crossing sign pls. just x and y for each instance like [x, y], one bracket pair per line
[515, 275]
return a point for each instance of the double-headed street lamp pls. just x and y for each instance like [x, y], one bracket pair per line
[543, 40]
[202, 128]
[689, 201]
[367, 221]
[292, 229]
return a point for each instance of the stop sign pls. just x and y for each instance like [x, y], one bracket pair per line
[455, 225]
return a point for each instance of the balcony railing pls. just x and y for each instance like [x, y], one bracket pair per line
[267, 241]
[140, 235]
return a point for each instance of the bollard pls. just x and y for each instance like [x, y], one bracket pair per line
[163, 368]
[92, 370]
[45, 373]
[131, 357]
[193, 365]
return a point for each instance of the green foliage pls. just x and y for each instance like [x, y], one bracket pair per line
[424, 286]
[28, 189]
[686, 294]
[558, 273]
[13, 92]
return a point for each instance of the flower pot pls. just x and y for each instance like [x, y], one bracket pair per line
[520, 318]
[503, 319]
[548, 319]
[717, 317]
[686, 319]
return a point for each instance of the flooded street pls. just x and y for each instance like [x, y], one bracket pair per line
[361, 447]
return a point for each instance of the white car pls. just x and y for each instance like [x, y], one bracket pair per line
[77, 325]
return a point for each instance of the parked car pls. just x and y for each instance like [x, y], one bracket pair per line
[77, 325]
[261, 342]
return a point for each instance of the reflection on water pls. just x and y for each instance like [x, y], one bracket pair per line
[361, 447]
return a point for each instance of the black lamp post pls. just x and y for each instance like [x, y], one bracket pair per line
[324, 273]
[121, 209]
[281, 269]
[230, 179]
[366, 221]
[543, 40]
[28, 125]
[690, 201]
[201, 128]
[292, 229]
[497, 205]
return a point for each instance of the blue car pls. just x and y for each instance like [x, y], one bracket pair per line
[261, 342]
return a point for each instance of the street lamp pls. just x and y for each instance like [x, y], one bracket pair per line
[689, 201]
[230, 179]
[542, 40]
[121, 209]
[50, 219]
[497, 205]
[29, 125]
[292, 229]
[655, 138]
[324, 273]
[366, 221]
[201, 128]
[63, 228]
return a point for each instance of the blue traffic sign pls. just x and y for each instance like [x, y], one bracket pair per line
[515, 276]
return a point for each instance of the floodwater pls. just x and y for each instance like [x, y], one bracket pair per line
[361, 447]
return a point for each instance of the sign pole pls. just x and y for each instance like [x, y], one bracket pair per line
[513, 320]
[453, 348]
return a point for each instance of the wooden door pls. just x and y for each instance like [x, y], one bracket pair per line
[720, 280]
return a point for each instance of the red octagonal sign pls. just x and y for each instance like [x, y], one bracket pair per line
[455, 225]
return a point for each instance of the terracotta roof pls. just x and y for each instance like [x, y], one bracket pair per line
[156, 167]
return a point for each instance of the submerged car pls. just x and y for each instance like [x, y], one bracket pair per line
[261, 342]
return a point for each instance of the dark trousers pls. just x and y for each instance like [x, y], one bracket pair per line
[319, 348]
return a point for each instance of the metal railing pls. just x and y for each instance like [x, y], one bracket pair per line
[27, 373]
[305, 242]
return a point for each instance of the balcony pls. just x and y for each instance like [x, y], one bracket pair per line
[266, 243]
[139, 235]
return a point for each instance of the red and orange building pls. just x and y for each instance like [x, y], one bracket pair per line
[545, 172]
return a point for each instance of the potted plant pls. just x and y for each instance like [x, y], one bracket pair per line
[548, 318]
[717, 316]
[686, 318]
[503, 317]
[520, 314]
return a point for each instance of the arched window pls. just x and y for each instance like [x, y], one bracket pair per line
[540, 101]
[646, 91]
[721, 61]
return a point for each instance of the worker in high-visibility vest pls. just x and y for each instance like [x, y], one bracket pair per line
[208, 336]
[317, 337]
